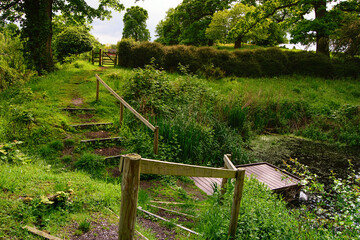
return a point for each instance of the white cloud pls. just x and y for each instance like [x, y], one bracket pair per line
[111, 31]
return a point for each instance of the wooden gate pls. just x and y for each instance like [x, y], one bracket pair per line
[104, 57]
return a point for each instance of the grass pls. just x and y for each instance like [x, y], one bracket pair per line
[199, 119]
[35, 181]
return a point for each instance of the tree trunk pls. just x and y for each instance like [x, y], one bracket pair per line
[38, 31]
[210, 42]
[238, 42]
[322, 38]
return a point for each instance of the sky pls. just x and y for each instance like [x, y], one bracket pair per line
[110, 31]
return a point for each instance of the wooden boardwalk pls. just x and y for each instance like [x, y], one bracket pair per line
[275, 178]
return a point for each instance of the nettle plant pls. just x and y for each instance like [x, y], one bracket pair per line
[337, 208]
[10, 154]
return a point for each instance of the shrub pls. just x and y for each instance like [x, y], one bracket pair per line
[124, 48]
[308, 63]
[242, 63]
[143, 54]
[246, 64]
[184, 55]
[273, 61]
[73, 40]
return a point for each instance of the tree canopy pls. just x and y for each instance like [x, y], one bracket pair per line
[228, 25]
[135, 24]
[36, 21]
[186, 24]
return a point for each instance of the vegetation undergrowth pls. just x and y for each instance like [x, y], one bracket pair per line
[199, 120]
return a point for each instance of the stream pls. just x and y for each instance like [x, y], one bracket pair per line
[321, 158]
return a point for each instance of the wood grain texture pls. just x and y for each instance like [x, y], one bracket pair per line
[156, 140]
[41, 233]
[150, 166]
[141, 118]
[235, 209]
[129, 196]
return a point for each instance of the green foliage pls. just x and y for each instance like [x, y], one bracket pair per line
[269, 218]
[135, 24]
[10, 154]
[12, 64]
[73, 40]
[237, 24]
[124, 50]
[336, 207]
[186, 23]
[36, 21]
[246, 63]
[346, 39]
[90, 163]
[84, 226]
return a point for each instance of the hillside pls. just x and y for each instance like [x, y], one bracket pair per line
[199, 120]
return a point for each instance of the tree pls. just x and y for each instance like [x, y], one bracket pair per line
[306, 31]
[229, 25]
[135, 24]
[36, 21]
[73, 40]
[186, 24]
[346, 39]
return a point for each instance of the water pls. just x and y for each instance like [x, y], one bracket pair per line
[321, 158]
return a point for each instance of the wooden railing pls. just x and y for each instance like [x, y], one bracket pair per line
[131, 165]
[123, 103]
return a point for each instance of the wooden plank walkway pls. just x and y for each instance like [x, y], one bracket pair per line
[275, 178]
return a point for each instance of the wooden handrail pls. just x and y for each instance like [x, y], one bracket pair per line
[141, 118]
[151, 166]
[132, 165]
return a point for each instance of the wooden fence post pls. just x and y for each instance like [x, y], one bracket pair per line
[100, 57]
[97, 90]
[121, 113]
[156, 140]
[235, 209]
[115, 63]
[129, 196]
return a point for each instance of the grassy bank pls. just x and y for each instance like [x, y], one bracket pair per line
[199, 119]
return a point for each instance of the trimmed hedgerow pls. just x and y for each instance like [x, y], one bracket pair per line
[245, 63]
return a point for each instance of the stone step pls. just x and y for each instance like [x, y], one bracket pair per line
[89, 125]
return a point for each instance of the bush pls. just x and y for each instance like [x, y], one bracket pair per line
[242, 63]
[186, 56]
[73, 40]
[124, 48]
[143, 54]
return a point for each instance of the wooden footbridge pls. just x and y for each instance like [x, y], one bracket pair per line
[276, 179]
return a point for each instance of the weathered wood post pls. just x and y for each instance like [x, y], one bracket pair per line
[100, 57]
[121, 113]
[235, 209]
[156, 140]
[227, 165]
[129, 195]
[97, 89]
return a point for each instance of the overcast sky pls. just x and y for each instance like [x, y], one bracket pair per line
[111, 31]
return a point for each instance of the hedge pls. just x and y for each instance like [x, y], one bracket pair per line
[241, 63]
